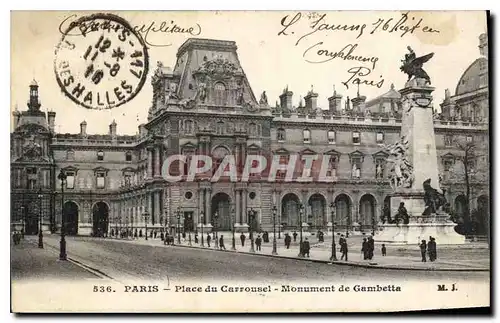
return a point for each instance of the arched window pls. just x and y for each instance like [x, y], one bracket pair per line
[100, 155]
[220, 93]
[307, 136]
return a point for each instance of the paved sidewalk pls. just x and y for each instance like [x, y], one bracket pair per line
[322, 253]
[30, 262]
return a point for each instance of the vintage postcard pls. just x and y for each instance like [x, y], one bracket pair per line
[245, 161]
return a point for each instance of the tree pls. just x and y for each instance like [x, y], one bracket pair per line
[471, 170]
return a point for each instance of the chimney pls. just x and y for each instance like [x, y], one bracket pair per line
[17, 115]
[51, 116]
[358, 103]
[83, 128]
[286, 99]
[112, 129]
[34, 103]
[334, 102]
[311, 100]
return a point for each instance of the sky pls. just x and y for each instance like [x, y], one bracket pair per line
[272, 55]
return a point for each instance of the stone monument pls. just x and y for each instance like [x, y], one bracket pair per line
[418, 207]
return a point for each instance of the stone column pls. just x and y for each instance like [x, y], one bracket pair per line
[208, 207]
[150, 162]
[157, 162]
[244, 207]
[200, 205]
[239, 219]
[157, 207]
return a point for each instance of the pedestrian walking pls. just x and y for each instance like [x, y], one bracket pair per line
[371, 247]
[306, 247]
[221, 242]
[288, 240]
[321, 236]
[364, 249]
[183, 234]
[258, 242]
[343, 249]
[242, 238]
[22, 233]
[265, 237]
[135, 234]
[423, 250]
[209, 238]
[155, 234]
[294, 236]
[384, 250]
[196, 237]
[162, 236]
[431, 249]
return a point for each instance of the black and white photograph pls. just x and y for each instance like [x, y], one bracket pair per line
[249, 161]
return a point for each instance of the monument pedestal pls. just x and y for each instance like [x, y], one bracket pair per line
[414, 233]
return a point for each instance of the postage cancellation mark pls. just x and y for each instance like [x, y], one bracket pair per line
[101, 62]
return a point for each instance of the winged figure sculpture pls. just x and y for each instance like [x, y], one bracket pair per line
[412, 65]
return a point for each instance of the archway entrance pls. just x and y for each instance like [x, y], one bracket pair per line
[221, 205]
[71, 218]
[100, 217]
[290, 210]
[483, 214]
[343, 210]
[317, 216]
[367, 210]
[460, 207]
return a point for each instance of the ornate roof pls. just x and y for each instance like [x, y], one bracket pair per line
[391, 94]
[471, 79]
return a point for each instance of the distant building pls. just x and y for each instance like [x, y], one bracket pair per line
[205, 105]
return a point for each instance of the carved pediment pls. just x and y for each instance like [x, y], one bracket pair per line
[281, 151]
[333, 152]
[356, 154]
[218, 67]
[100, 169]
[70, 169]
[128, 170]
[308, 151]
[253, 147]
[380, 154]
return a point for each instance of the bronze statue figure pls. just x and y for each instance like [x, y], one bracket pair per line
[432, 198]
[412, 65]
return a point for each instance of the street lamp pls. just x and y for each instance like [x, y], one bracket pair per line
[202, 219]
[233, 219]
[62, 244]
[116, 226]
[334, 251]
[301, 211]
[251, 215]
[216, 243]
[40, 234]
[190, 221]
[275, 246]
[179, 225]
[146, 219]
[23, 221]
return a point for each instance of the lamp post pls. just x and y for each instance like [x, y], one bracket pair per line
[190, 221]
[40, 234]
[233, 219]
[62, 244]
[116, 226]
[251, 215]
[275, 246]
[179, 225]
[334, 251]
[216, 243]
[146, 218]
[301, 211]
[23, 221]
[202, 219]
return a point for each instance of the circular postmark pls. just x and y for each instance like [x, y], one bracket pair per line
[101, 62]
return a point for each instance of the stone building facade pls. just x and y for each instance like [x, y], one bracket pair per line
[205, 105]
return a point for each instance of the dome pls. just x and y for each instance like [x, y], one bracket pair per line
[474, 77]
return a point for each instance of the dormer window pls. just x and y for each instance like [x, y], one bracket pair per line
[100, 155]
[128, 156]
[70, 155]
[220, 93]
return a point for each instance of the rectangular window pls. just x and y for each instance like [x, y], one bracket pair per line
[70, 180]
[281, 135]
[101, 180]
[356, 168]
[380, 137]
[469, 139]
[331, 137]
[31, 171]
[128, 156]
[356, 139]
[307, 136]
[100, 155]
[448, 140]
